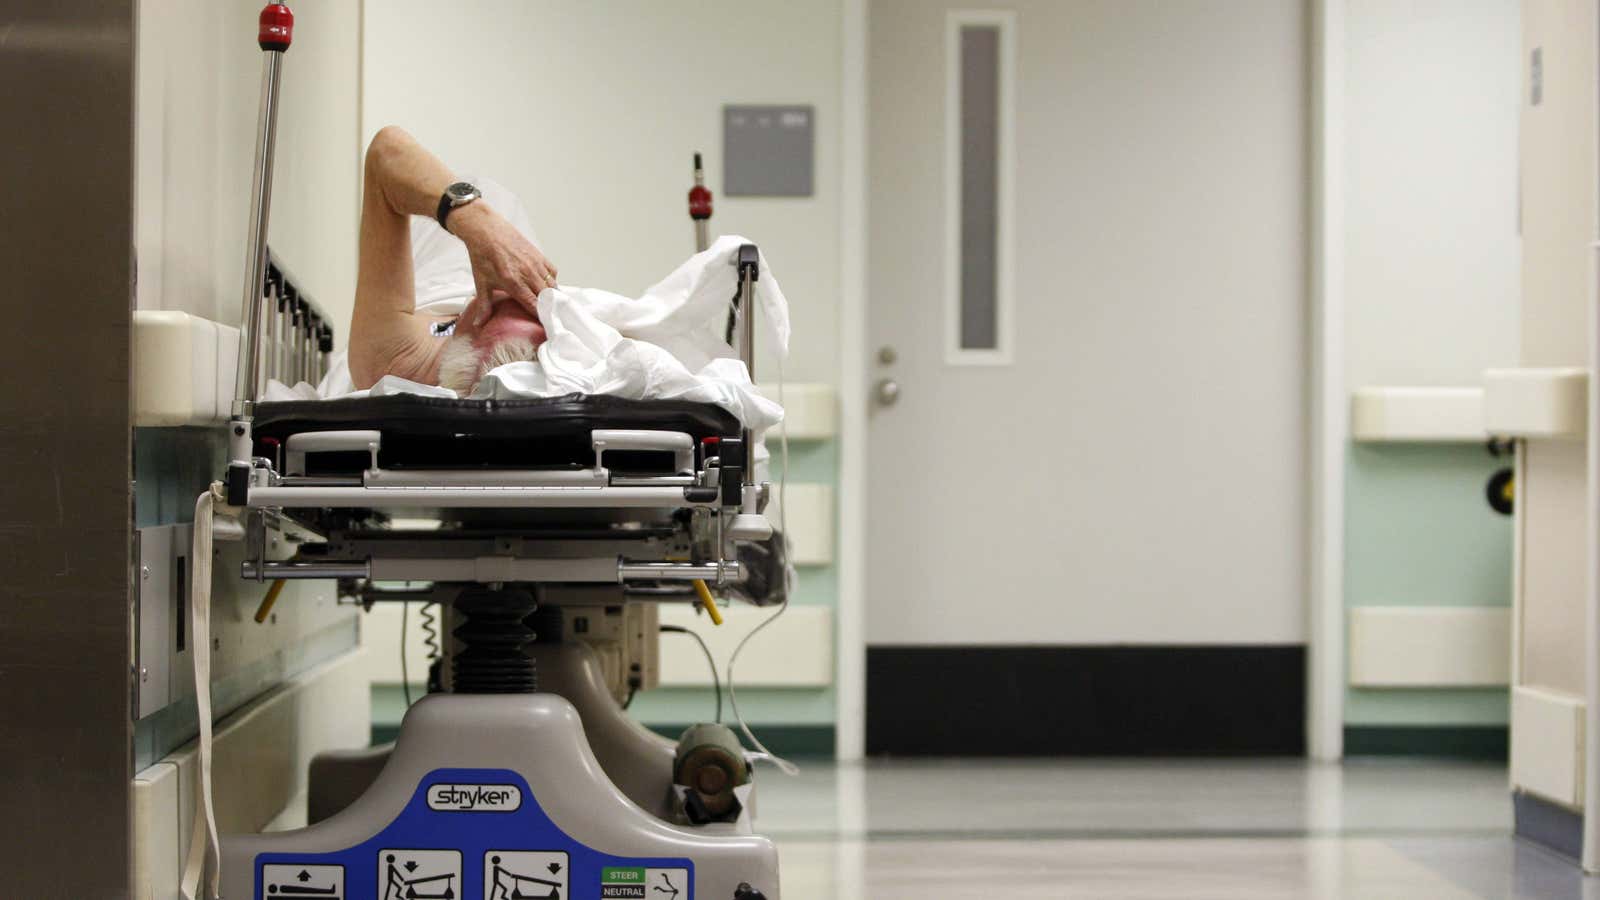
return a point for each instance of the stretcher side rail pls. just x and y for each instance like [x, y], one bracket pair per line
[473, 497]
[487, 570]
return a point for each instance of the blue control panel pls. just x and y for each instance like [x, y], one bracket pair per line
[470, 834]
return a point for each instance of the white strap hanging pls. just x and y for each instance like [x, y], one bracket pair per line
[205, 849]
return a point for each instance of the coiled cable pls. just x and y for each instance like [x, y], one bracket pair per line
[430, 629]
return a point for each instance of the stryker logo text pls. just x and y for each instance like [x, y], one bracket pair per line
[474, 797]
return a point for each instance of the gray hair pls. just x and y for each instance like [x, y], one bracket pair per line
[462, 367]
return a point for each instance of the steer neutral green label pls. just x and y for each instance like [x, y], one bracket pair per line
[618, 883]
[638, 883]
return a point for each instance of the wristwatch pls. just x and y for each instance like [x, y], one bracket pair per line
[459, 194]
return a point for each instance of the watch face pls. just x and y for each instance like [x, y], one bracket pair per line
[461, 190]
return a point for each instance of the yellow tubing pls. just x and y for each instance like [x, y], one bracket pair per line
[265, 609]
[707, 601]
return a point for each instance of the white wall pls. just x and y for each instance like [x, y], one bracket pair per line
[1157, 398]
[1432, 253]
[199, 77]
[591, 113]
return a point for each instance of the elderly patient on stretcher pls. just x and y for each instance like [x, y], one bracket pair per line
[455, 297]
[402, 326]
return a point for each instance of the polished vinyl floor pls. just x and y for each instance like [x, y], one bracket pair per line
[1230, 830]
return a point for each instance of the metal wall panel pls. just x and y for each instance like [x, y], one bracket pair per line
[65, 519]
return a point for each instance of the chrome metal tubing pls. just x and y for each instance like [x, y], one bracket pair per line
[272, 571]
[296, 312]
[671, 571]
[246, 386]
[747, 353]
[263, 359]
[285, 333]
[651, 571]
[310, 367]
[529, 497]
[747, 323]
[275, 363]
[317, 481]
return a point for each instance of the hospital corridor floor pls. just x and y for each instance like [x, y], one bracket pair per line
[1108, 830]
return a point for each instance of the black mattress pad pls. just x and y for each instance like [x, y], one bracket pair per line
[439, 432]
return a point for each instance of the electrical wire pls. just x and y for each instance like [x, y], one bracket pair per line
[405, 673]
[716, 682]
[788, 768]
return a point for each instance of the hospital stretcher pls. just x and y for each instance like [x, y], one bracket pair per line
[544, 517]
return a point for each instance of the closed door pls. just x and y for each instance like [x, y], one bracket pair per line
[1087, 319]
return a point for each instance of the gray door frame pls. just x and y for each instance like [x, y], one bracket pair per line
[65, 439]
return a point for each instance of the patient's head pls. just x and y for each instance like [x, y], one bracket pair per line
[510, 334]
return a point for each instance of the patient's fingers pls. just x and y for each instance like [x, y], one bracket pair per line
[534, 277]
[527, 292]
[477, 310]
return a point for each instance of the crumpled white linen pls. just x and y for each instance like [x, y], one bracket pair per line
[666, 344]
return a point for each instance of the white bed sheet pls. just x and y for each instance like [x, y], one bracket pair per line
[666, 344]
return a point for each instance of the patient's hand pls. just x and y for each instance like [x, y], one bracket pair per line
[505, 264]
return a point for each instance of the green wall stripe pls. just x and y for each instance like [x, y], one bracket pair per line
[1476, 742]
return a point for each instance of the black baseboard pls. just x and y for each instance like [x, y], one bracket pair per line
[1489, 743]
[1550, 826]
[1086, 701]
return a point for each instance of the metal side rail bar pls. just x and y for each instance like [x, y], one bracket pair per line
[485, 569]
[481, 496]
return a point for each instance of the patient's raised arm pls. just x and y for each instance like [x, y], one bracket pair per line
[402, 179]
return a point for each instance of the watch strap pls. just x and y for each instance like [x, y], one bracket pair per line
[447, 203]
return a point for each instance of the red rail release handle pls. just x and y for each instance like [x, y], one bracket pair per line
[699, 195]
[699, 202]
[277, 27]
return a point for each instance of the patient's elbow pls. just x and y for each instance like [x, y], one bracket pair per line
[362, 375]
[385, 145]
[364, 363]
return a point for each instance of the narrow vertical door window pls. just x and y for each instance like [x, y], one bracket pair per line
[978, 187]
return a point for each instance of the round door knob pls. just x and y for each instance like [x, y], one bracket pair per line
[887, 355]
[888, 392]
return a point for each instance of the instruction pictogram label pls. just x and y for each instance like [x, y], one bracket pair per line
[419, 874]
[638, 882]
[469, 834]
[313, 880]
[518, 874]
